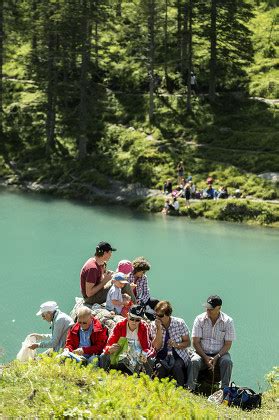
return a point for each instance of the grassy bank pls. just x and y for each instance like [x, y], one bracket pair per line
[48, 389]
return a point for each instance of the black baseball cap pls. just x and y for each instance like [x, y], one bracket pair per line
[212, 302]
[137, 311]
[104, 246]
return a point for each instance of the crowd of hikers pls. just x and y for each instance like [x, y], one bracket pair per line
[184, 187]
[136, 332]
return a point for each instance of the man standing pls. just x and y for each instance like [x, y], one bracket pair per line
[212, 335]
[60, 323]
[95, 281]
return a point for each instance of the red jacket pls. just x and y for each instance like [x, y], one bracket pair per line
[120, 330]
[98, 338]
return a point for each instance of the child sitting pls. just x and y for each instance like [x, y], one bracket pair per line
[116, 301]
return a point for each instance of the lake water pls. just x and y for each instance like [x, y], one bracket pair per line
[45, 241]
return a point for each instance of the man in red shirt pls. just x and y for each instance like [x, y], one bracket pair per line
[95, 281]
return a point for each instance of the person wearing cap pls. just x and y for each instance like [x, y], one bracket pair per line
[170, 338]
[60, 324]
[95, 281]
[213, 333]
[116, 301]
[135, 329]
[87, 337]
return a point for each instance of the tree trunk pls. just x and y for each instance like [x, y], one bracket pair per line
[190, 53]
[1, 67]
[213, 51]
[51, 94]
[119, 8]
[184, 41]
[151, 33]
[83, 111]
[179, 36]
[166, 42]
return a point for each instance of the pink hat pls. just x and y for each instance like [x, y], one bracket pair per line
[125, 266]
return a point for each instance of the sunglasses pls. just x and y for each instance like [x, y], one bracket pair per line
[160, 315]
[134, 319]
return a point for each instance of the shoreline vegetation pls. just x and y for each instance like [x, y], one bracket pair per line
[45, 388]
[249, 210]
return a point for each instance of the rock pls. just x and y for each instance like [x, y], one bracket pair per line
[271, 176]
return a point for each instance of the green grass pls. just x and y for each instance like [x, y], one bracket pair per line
[48, 389]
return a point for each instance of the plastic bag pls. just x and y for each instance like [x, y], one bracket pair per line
[217, 397]
[25, 353]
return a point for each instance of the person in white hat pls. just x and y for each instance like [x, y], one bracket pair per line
[60, 324]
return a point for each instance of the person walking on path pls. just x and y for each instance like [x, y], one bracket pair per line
[212, 335]
[180, 173]
[95, 280]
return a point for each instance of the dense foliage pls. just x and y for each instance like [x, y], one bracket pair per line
[107, 82]
[49, 389]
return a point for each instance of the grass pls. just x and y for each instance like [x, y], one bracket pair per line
[47, 389]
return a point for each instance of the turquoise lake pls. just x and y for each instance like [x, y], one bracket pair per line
[45, 241]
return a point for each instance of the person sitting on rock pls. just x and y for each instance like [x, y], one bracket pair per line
[213, 333]
[116, 301]
[95, 279]
[170, 339]
[136, 330]
[60, 324]
[86, 338]
[139, 283]
[223, 193]
[209, 193]
[174, 206]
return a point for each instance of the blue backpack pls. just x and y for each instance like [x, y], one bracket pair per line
[242, 397]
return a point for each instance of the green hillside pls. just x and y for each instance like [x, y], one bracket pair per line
[110, 100]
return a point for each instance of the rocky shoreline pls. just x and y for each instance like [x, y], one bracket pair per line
[248, 210]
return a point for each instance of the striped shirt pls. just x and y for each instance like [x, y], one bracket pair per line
[213, 337]
[141, 292]
[177, 329]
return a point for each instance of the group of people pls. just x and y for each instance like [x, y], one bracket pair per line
[160, 340]
[185, 188]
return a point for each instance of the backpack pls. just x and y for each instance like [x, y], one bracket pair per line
[242, 397]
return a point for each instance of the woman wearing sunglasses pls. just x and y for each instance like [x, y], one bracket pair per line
[135, 329]
[170, 340]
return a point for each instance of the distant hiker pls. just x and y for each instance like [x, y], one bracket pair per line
[167, 187]
[212, 335]
[187, 194]
[237, 193]
[223, 193]
[60, 323]
[180, 173]
[166, 206]
[174, 206]
[209, 193]
[95, 281]
[116, 301]
[170, 339]
[87, 337]
[193, 83]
